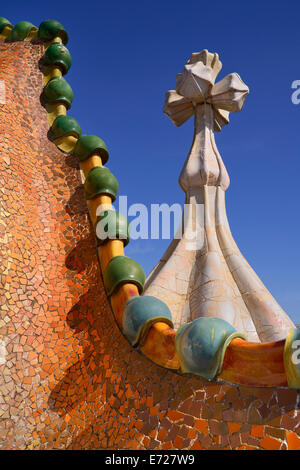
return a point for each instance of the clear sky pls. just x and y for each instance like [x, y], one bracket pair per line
[126, 55]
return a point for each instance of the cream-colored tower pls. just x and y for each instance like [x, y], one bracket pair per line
[203, 273]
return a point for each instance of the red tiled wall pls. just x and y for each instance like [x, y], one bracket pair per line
[68, 378]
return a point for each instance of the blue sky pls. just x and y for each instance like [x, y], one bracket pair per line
[126, 56]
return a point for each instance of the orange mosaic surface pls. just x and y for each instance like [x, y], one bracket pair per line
[68, 377]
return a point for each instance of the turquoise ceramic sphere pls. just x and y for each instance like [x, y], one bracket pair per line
[140, 313]
[201, 345]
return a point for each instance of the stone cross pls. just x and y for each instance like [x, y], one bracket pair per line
[213, 278]
[196, 85]
[196, 93]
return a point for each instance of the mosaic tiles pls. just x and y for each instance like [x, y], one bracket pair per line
[68, 377]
